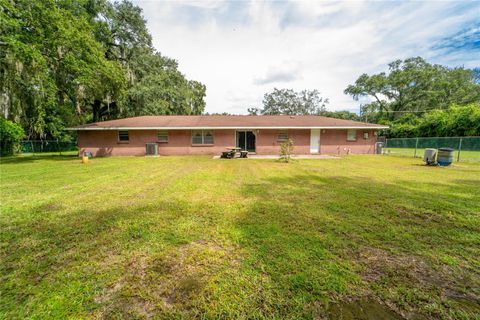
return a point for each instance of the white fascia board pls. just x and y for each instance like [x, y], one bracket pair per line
[224, 128]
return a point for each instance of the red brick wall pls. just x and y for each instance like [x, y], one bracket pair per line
[180, 143]
[335, 142]
[105, 143]
[267, 141]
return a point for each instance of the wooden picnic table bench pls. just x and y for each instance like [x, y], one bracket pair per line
[232, 152]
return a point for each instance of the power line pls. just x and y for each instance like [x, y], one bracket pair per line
[399, 111]
[417, 111]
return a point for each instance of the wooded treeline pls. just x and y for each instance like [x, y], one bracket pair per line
[305, 102]
[419, 99]
[68, 62]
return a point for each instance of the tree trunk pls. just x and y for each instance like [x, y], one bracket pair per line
[96, 110]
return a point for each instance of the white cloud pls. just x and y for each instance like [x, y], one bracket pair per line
[206, 4]
[280, 74]
[241, 50]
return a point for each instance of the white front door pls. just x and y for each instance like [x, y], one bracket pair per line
[315, 141]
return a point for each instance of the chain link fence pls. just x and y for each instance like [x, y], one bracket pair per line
[33, 147]
[466, 148]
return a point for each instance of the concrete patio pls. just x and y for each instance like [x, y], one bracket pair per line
[300, 156]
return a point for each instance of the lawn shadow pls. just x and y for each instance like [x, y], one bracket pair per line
[102, 252]
[327, 238]
[34, 158]
[472, 183]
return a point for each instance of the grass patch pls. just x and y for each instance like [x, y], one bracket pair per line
[465, 155]
[191, 237]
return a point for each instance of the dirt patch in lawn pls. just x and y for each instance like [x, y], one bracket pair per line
[363, 309]
[450, 285]
[173, 283]
[379, 263]
[50, 207]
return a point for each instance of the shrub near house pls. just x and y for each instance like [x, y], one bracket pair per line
[10, 136]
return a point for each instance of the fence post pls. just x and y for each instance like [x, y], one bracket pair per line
[459, 149]
[416, 145]
[33, 150]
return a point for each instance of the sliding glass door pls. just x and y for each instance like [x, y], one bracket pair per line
[246, 140]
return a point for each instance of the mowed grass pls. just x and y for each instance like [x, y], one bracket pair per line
[465, 155]
[192, 237]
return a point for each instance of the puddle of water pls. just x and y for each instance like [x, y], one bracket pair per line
[362, 310]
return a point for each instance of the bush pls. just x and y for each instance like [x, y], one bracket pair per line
[456, 121]
[434, 124]
[404, 130]
[464, 120]
[11, 135]
[286, 150]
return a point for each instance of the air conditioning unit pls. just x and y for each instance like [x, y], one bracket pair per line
[152, 149]
[430, 156]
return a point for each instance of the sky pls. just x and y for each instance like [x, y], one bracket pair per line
[243, 49]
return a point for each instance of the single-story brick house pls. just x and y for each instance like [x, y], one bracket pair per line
[212, 134]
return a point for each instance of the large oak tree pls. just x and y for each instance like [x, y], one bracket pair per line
[69, 62]
[414, 86]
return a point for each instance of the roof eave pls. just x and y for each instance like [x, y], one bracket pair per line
[224, 128]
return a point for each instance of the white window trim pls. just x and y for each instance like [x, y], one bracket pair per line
[348, 135]
[282, 132]
[123, 141]
[162, 133]
[203, 138]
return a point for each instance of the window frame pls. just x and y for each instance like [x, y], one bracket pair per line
[119, 134]
[348, 134]
[282, 132]
[194, 134]
[203, 133]
[162, 133]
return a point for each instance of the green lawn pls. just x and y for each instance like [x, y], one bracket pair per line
[465, 155]
[192, 237]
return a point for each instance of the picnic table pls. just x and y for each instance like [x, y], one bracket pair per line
[233, 151]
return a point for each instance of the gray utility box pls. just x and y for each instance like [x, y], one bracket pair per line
[152, 149]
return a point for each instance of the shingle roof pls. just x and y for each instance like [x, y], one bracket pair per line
[226, 122]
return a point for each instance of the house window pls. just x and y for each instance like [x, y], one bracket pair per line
[162, 136]
[123, 136]
[202, 137]
[282, 136]
[365, 135]
[351, 135]
[207, 137]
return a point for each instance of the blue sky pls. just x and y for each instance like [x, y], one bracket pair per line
[243, 49]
